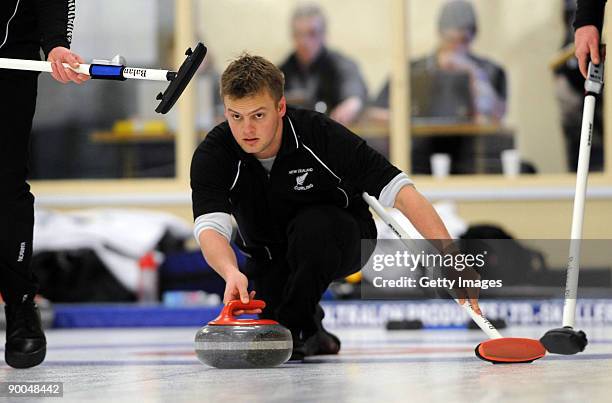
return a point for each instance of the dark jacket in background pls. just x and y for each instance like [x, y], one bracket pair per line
[590, 12]
[496, 74]
[331, 79]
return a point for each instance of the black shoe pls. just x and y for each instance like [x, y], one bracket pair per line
[298, 353]
[322, 343]
[26, 345]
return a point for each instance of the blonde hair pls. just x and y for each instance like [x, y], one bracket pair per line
[248, 75]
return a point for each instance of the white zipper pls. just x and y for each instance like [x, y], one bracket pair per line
[9, 23]
[269, 254]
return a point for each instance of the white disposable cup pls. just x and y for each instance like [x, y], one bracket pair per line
[511, 163]
[440, 165]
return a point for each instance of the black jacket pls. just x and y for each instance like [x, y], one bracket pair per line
[331, 78]
[29, 25]
[590, 12]
[320, 162]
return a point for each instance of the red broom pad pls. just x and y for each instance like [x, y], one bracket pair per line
[509, 350]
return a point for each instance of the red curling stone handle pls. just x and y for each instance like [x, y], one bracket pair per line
[227, 318]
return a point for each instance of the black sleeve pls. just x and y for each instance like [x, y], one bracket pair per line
[362, 167]
[590, 12]
[212, 175]
[500, 84]
[288, 72]
[382, 100]
[56, 21]
[351, 83]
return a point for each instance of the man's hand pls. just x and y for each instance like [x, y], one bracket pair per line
[347, 111]
[63, 74]
[461, 294]
[236, 285]
[470, 293]
[586, 40]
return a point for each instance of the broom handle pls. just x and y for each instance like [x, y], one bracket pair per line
[95, 70]
[593, 86]
[573, 262]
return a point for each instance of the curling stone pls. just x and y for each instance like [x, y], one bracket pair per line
[227, 342]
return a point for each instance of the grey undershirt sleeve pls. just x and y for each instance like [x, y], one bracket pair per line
[220, 222]
[389, 192]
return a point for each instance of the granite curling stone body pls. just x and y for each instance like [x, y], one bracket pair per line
[227, 342]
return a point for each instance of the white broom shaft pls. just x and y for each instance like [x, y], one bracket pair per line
[482, 322]
[135, 73]
[573, 264]
[397, 228]
[37, 65]
[385, 216]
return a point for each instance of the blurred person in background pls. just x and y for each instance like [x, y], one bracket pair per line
[457, 27]
[450, 86]
[319, 78]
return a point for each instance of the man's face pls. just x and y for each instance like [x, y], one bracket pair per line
[308, 38]
[456, 40]
[256, 123]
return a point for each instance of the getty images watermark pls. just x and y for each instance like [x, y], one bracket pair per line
[412, 261]
[399, 268]
[497, 268]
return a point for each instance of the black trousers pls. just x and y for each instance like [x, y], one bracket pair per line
[18, 94]
[323, 244]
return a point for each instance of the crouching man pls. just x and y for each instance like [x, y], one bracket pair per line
[293, 181]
